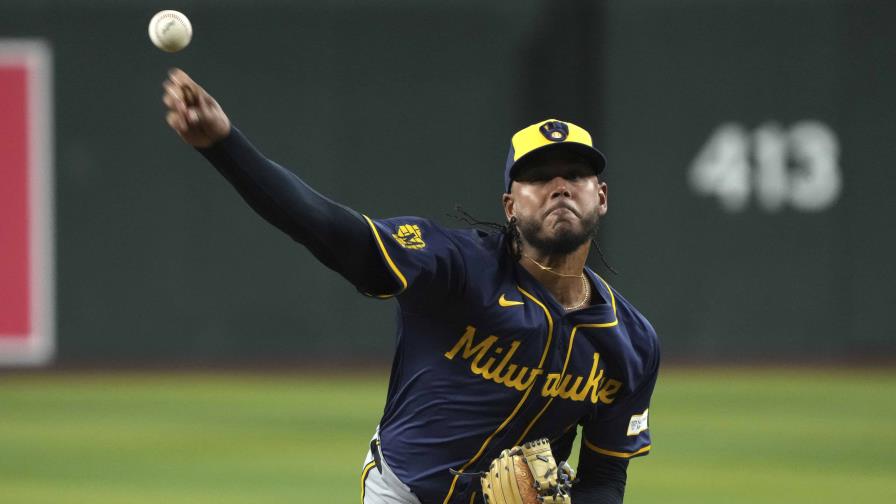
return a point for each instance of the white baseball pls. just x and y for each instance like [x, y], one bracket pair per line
[170, 30]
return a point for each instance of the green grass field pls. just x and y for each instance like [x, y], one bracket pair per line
[737, 436]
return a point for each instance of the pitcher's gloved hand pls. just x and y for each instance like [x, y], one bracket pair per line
[527, 474]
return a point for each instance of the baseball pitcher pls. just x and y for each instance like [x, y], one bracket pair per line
[507, 342]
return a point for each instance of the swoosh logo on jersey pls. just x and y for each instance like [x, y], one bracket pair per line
[505, 303]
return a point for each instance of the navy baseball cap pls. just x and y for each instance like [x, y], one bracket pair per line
[551, 134]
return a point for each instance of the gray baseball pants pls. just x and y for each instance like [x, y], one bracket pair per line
[379, 485]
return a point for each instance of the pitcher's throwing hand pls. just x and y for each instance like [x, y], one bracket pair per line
[192, 113]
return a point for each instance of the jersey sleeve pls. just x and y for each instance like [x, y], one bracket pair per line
[421, 255]
[622, 431]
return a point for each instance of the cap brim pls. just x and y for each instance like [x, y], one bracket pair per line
[592, 155]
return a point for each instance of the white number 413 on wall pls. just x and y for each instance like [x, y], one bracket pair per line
[796, 166]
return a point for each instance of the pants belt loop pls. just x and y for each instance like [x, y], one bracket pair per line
[375, 450]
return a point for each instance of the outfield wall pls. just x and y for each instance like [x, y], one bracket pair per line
[749, 147]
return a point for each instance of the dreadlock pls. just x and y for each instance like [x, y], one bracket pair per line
[512, 234]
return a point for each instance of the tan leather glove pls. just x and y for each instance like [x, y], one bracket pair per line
[527, 474]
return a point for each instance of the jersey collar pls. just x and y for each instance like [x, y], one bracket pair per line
[601, 311]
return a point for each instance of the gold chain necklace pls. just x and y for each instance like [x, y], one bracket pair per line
[586, 287]
[549, 269]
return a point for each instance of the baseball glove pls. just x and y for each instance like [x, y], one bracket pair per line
[527, 474]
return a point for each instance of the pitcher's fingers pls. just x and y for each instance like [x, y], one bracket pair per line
[189, 96]
[176, 121]
[177, 98]
[171, 87]
[180, 78]
[170, 101]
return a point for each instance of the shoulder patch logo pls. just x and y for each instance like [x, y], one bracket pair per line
[409, 237]
[637, 424]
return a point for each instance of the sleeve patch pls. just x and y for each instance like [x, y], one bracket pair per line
[409, 236]
[637, 424]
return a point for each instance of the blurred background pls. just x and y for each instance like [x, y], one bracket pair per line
[160, 341]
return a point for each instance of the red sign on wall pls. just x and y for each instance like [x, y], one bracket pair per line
[26, 248]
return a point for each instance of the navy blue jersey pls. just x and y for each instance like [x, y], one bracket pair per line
[487, 359]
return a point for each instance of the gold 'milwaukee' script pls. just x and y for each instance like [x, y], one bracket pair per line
[492, 363]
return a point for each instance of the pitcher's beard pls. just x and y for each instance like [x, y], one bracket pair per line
[563, 243]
